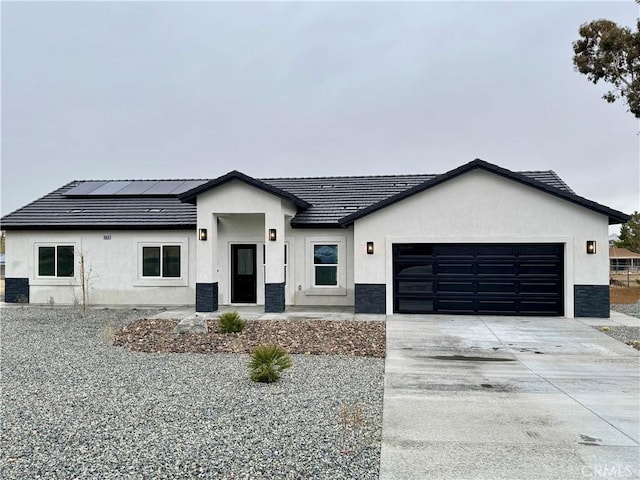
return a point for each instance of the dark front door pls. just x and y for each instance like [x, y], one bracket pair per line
[243, 274]
[489, 279]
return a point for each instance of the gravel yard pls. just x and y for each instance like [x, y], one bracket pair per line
[626, 334]
[74, 406]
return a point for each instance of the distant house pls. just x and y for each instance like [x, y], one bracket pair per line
[623, 260]
[479, 239]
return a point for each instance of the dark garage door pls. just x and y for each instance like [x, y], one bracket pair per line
[490, 279]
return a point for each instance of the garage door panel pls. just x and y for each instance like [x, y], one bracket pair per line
[454, 306]
[539, 250]
[495, 250]
[488, 307]
[454, 269]
[497, 287]
[412, 305]
[456, 287]
[452, 250]
[521, 279]
[540, 287]
[539, 269]
[414, 287]
[409, 269]
[496, 269]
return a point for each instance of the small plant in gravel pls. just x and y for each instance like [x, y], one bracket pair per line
[230, 322]
[267, 363]
[351, 423]
[605, 329]
[108, 333]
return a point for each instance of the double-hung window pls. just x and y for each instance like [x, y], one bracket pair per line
[161, 261]
[56, 261]
[325, 265]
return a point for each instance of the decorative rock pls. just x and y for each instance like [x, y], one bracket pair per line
[191, 324]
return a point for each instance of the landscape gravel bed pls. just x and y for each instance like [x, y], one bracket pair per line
[632, 309]
[317, 337]
[624, 334]
[74, 406]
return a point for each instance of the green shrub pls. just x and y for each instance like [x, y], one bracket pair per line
[230, 322]
[267, 363]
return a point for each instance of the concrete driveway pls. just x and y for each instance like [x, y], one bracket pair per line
[508, 398]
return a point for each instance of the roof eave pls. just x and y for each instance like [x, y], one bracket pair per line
[185, 226]
[615, 217]
[190, 196]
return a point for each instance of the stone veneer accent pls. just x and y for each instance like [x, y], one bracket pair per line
[206, 297]
[274, 297]
[16, 290]
[591, 301]
[371, 298]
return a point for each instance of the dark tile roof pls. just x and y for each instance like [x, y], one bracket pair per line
[60, 210]
[333, 198]
[537, 180]
[321, 201]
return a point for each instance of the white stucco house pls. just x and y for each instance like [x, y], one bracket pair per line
[479, 239]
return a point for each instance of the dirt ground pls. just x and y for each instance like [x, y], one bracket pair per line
[624, 295]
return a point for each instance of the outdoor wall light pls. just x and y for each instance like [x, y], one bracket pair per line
[591, 246]
[202, 234]
[369, 248]
[272, 235]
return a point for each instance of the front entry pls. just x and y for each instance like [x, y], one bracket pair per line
[243, 274]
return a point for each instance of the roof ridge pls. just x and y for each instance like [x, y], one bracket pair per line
[333, 177]
[144, 180]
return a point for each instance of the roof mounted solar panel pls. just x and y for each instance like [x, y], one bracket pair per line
[110, 188]
[137, 187]
[85, 188]
[163, 187]
[187, 185]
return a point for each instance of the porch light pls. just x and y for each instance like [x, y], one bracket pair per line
[369, 248]
[272, 235]
[202, 234]
[591, 246]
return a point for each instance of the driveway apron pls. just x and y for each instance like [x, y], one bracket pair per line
[469, 397]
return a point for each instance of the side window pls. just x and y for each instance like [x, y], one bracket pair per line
[161, 261]
[56, 261]
[325, 264]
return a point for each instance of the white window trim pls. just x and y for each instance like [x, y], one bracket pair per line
[181, 281]
[312, 288]
[50, 280]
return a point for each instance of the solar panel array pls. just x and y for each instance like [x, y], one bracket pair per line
[132, 188]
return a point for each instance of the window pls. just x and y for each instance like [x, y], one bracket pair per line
[161, 261]
[56, 261]
[325, 262]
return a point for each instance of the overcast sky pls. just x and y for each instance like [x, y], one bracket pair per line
[194, 90]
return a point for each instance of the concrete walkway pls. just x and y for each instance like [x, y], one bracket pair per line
[509, 398]
[257, 312]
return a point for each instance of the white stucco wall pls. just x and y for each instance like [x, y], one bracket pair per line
[480, 207]
[236, 213]
[300, 282]
[234, 198]
[115, 266]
